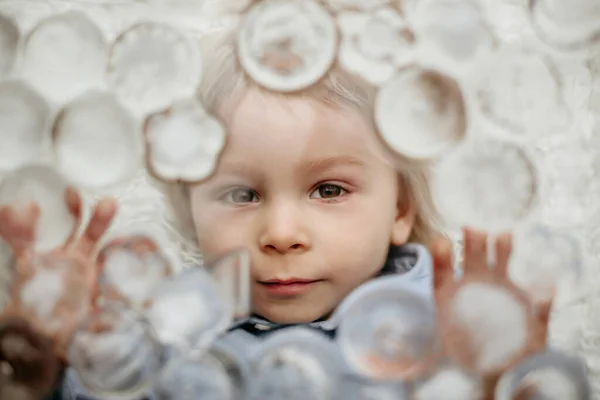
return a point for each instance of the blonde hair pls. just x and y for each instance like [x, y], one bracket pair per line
[224, 82]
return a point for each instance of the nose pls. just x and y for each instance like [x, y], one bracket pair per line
[283, 230]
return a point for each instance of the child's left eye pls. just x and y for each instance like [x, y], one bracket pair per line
[328, 191]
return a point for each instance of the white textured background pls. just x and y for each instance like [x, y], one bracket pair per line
[569, 160]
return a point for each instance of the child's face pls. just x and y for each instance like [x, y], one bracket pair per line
[308, 191]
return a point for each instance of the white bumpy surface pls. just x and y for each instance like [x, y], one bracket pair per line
[569, 159]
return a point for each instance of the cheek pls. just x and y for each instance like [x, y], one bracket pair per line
[365, 251]
[218, 232]
[362, 238]
[375, 212]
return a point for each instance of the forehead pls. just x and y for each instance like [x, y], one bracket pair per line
[267, 128]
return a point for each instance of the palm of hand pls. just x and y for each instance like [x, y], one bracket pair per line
[468, 337]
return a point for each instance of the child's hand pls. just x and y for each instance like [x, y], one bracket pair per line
[478, 332]
[55, 291]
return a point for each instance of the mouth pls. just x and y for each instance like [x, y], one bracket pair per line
[288, 287]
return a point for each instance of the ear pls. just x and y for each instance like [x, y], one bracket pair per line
[404, 221]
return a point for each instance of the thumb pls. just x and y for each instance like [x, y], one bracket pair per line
[441, 253]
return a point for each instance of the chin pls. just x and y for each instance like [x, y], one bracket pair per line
[293, 316]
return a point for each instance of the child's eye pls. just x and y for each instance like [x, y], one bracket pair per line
[240, 195]
[328, 191]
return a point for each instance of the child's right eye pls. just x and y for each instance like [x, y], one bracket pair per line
[240, 195]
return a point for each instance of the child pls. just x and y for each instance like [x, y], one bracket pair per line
[307, 187]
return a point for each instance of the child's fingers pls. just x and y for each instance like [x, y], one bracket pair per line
[17, 226]
[20, 220]
[475, 249]
[74, 205]
[503, 247]
[102, 217]
[489, 386]
[6, 224]
[74, 202]
[543, 312]
[441, 253]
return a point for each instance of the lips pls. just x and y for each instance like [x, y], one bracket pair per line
[288, 287]
[288, 281]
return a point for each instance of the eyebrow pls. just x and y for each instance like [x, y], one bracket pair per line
[331, 162]
[308, 168]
